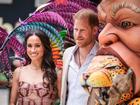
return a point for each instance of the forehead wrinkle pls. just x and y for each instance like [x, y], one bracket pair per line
[101, 10]
[118, 6]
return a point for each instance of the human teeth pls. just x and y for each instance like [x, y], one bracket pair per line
[33, 54]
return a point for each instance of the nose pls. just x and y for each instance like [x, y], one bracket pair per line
[85, 76]
[33, 49]
[108, 35]
[77, 33]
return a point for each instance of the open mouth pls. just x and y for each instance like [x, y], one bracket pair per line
[110, 51]
[104, 66]
[107, 78]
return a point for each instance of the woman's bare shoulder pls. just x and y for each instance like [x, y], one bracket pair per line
[20, 69]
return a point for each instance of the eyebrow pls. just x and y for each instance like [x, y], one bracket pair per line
[117, 7]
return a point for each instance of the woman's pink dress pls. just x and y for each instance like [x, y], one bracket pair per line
[36, 94]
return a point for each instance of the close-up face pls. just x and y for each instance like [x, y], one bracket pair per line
[83, 33]
[35, 48]
[120, 20]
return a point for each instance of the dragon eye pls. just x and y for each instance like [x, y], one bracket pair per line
[115, 67]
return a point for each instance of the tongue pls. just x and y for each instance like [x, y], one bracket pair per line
[110, 51]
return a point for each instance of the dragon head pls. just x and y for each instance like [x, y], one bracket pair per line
[110, 79]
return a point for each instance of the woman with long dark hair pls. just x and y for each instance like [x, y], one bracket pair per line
[35, 83]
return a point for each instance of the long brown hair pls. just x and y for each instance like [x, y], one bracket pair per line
[48, 64]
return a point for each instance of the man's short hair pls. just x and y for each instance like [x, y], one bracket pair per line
[87, 14]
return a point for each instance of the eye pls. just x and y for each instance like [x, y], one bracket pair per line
[114, 67]
[29, 45]
[75, 29]
[38, 45]
[126, 24]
